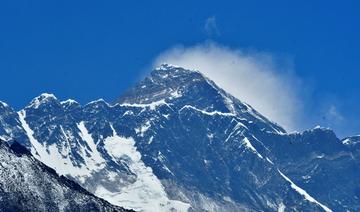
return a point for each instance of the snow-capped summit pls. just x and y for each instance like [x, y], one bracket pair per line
[44, 96]
[42, 99]
[184, 88]
[161, 83]
[69, 102]
[168, 66]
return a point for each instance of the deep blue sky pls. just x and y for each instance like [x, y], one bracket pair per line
[96, 49]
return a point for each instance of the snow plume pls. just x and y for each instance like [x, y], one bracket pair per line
[210, 27]
[258, 78]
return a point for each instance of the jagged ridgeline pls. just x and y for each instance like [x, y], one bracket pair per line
[178, 142]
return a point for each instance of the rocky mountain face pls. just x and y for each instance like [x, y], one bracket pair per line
[28, 185]
[178, 142]
[320, 163]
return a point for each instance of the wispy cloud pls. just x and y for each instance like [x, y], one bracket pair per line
[253, 77]
[334, 115]
[210, 27]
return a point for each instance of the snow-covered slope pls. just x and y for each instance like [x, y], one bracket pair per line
[147, 185]
[176, 141]
[69, 148]
[28, 185]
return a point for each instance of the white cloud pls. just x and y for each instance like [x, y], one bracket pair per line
[211, 27]
[255, 78]
[334, 115]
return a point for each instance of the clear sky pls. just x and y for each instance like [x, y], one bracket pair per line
[87, 50]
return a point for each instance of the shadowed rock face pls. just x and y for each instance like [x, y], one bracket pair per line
[176, 141]
[28, 185]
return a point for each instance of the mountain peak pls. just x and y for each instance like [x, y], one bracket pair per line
[165, 81]
[98, 102]
[171, 67]
[182, 87]
[169, 72]
[41, 99]
[166, 66]
[47, 96]
[69, 102]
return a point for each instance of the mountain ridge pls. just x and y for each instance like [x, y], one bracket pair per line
[200, 146]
